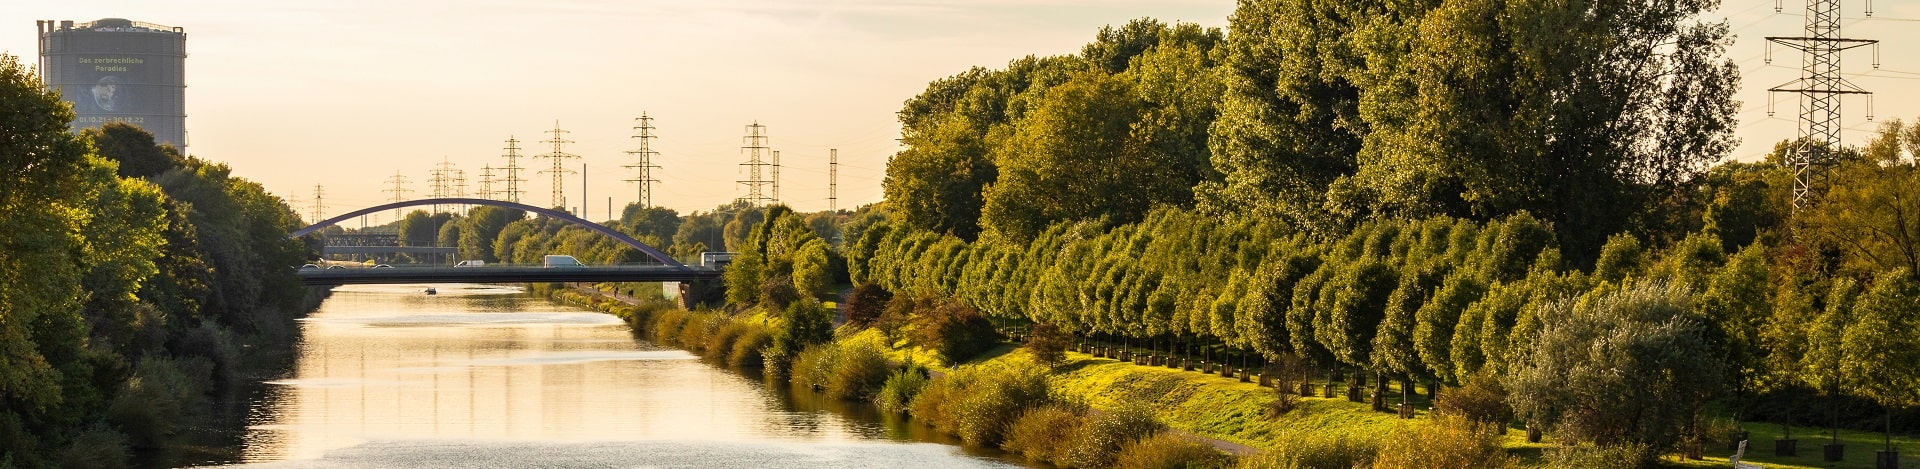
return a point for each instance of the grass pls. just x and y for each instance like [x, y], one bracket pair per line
[1207, 404]
[1860, 448]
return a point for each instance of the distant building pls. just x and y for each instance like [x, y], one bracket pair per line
[119, 70]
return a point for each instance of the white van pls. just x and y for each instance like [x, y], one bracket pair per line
[474, 263]
[561, 260]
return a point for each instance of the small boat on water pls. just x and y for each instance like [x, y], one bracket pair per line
[431, 291]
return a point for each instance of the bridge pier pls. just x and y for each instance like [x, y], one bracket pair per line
[708, 293]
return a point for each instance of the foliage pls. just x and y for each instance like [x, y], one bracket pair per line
[1626, 366]
[1044, 433]
[1309, 450]
[1104, 434]
[1880, 346]
[1614, 456]
[866, 303]
[993, 401]
[955, 331]
[1444, 442]
[1482, 401]
[898, 393]
[1168, 451]
[859, 371]
[1047, 344]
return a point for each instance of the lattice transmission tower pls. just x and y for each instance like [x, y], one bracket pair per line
[399, 190]
[756, 146]
[511, 173]
[643, 161]
[833, 180]
[559, 157]
[319, 206]
[486, 182]
[1820, 87]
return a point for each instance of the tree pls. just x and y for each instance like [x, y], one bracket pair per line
[133, 148]
[1074, 157]
[1874, 217]
[1882, 344]
[811, 268]
[484, 224]
[866, 303]
[1628, 366]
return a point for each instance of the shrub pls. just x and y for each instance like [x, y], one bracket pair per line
[1169, 451]
[1444, 442]
[1483, 401]
[1590, 456]
[1044, 433]
[936, 401]
[813, 364]
[1048, 344]
[668, 325]
[1314, 450]
[720, 344]
[897, 395]
[866, 303]
[746, 350]
[778, 291]
[98, 447]
[1285, 399]
[954, 330]
[995, 400]
[1105, 433]
[1632, 365]
[859, 371]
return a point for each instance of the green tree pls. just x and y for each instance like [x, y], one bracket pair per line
[1882, 344]
[1628, 366]
[133, 148]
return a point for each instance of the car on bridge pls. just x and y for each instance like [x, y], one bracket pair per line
[562, 261]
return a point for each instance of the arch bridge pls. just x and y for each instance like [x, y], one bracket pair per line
[655, 254]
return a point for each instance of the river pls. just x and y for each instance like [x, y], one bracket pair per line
[484, 375]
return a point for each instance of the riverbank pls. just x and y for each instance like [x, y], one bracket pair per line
[1103, 384]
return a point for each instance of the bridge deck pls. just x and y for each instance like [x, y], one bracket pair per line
[510, 274]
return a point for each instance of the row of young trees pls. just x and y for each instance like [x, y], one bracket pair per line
[1425, 191]
[130, 277]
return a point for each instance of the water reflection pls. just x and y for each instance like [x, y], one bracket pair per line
[387, 375]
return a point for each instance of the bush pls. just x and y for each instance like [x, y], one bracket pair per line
[995, 400]
[746, 350]
[897, 395]
[813, 364]
[1105, 433]
[1044, 433]
[1311, 450]
[859, 371]
[720, 344]
[1169, 451]
[1048, 344]
[1483, 401]
[936, 401]
[954, 330]
[1632, 365]
[778, 291]
[1590, 456]
[97, 447]
[1444, 442]
[866, 303]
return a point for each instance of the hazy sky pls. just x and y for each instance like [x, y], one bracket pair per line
[345, 93]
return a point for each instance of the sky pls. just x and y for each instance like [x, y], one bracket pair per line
[345, 94]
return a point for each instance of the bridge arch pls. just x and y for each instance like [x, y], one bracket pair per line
[596, 227]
